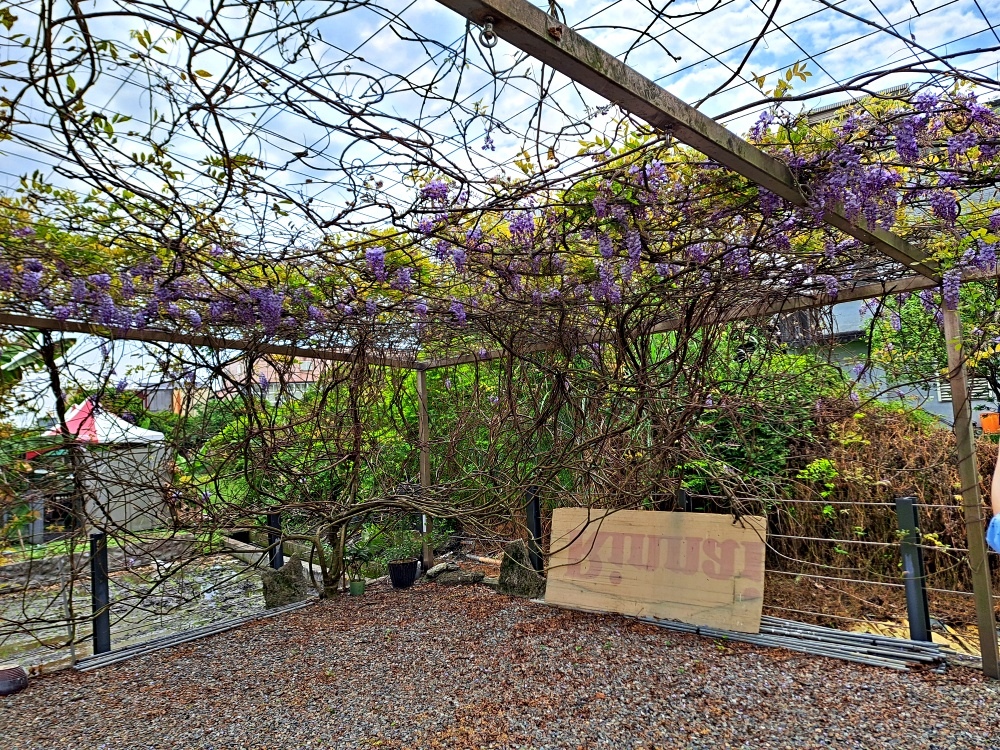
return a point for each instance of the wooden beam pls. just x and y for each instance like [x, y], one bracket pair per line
[972, 503]
[733, 314]
[530, 29]
[396, 360]
[424, 439]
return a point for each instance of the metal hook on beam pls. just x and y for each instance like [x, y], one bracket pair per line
[488, 37]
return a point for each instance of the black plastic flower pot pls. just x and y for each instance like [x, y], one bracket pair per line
[403, 573]
[12, 679]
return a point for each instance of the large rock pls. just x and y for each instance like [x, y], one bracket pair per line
[286, 585]
[458, 577]
[517, 577]
[439, 569]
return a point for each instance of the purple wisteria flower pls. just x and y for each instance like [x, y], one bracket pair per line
[120, 386]
[739, 260]
[600, 204]
[697, 253]
[606, 289]
[128, 286]
[926, 297]
[944, 205]
[633, 246]
[763, 124]
[459, 258]
[951, 283]
[605, 246]
[100, 281]
[193, 318]
[905, 132]
[6, 277]
[107, 313]
[31, 284]
[666, 270]
[986, 257]
[269, 306]
[263, 382]
[488, 144]
[403, 280]
[435, 190]
[420, 309]
[522, 228]
[926, 101]
[22, 232]
[375, 257]
[830, 285]
[769, 203]
[949, 179]
[458, 310]
[960, 143]
[442, 250]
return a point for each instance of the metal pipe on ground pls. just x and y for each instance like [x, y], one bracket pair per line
[113, 657]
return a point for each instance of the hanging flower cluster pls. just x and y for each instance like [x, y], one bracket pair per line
[662, 224]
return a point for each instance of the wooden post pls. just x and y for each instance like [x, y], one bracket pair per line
[972, 503]
[424, 438]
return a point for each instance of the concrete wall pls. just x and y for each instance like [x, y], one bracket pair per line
[48, 571]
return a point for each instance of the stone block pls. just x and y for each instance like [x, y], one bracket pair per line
[517, 577]
[286, 585]
[458, 578]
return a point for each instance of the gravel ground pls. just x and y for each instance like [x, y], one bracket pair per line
[433, 667]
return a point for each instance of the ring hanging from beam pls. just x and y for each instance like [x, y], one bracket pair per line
[487, 37]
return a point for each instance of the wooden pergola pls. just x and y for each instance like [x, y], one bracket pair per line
[550, 42]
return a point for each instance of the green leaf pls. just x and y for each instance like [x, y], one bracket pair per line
[70, 84]
[203, 73]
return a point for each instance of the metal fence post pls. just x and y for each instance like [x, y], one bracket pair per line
[683, 501]
[917, 611]
[274, 540]
[534, 511]
[99, 592]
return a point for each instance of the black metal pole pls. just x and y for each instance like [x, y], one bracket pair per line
[100, 595]
[917, 610]
[534, 512]
[683, 501]
[274, 540]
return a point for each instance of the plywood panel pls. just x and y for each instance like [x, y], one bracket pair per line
[699, 568]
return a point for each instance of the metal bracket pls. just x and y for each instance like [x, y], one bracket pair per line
[488, 37]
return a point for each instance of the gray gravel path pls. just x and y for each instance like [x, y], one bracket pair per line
[446, 668]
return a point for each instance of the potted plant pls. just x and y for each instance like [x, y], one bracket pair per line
[355, 559]
[404, 561]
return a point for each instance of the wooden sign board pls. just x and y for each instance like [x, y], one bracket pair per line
[698, 568]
